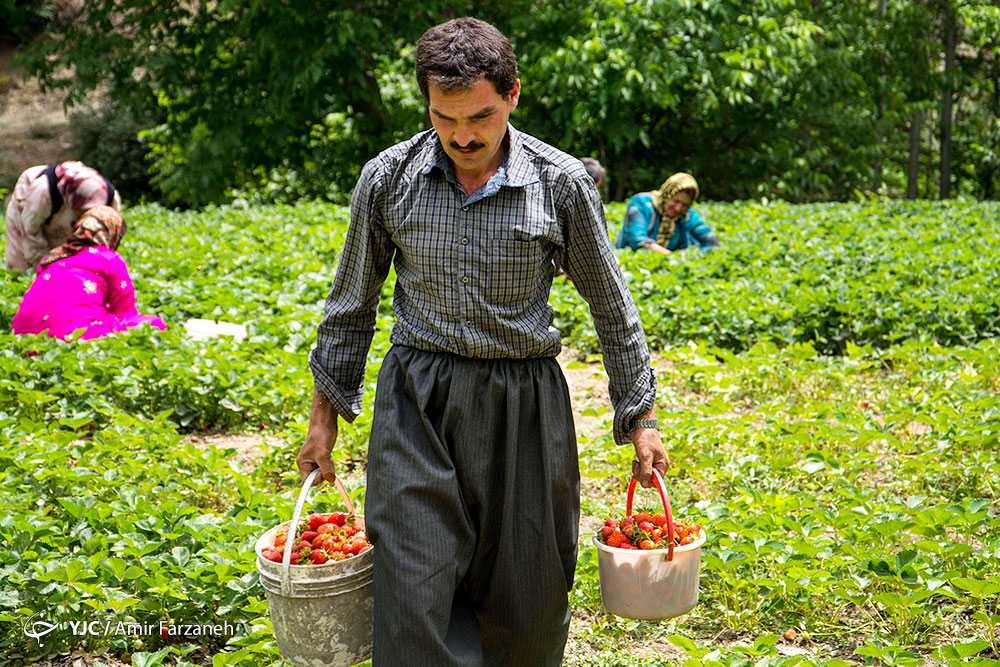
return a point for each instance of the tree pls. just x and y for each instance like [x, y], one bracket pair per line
[950, 39]
[241, 84]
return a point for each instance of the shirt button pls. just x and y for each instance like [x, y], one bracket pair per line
[465, 208]
[468, 323]
[465, 241]
[465, 280]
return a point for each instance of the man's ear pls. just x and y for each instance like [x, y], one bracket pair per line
[515, 92]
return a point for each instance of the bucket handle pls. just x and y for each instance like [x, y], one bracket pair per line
[293, 527]
[664, 498]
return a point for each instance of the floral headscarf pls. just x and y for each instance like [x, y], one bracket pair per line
[101, 225]
[671, 186]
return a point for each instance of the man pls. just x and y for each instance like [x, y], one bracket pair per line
[473, 481]
[596, 170]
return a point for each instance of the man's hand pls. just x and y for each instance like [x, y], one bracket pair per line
[320, 438]
[649, 454]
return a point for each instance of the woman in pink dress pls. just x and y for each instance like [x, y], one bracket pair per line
[83, 284]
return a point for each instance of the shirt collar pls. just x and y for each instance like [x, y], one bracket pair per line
[515, 171]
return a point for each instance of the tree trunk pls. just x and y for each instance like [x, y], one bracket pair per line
[880, 118]
[625, 174]
[990, 176]
[913, 171]
[950, 37]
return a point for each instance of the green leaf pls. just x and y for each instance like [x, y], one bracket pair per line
[977, 587]
[963, 650]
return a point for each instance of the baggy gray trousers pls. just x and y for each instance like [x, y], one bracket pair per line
[473, 504]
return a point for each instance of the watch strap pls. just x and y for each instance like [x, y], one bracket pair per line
[645, 422]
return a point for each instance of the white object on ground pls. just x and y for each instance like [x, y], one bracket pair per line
[202, 329]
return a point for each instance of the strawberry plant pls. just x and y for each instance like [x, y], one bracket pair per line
[827, 385]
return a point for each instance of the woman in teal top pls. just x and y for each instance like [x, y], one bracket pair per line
[663, 220]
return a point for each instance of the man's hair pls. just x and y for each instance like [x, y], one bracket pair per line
[457, 54]
[594, 168]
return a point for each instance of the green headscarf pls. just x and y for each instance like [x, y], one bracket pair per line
[671, 186]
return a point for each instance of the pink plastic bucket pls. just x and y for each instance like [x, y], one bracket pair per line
[650, 584]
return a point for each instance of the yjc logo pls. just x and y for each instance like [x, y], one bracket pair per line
[39, 628]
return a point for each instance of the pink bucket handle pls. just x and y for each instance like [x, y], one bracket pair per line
[665, 499]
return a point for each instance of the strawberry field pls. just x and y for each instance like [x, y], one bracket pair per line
[829, 381]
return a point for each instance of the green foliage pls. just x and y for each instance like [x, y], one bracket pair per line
[874, 273]
[805, 100]
[239, 84]
[664, 86]
[21, 20]
[851, 496]
[268, 269]
[108, 140]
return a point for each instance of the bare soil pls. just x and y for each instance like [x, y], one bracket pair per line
[34, 125]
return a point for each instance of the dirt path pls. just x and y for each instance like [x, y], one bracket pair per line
[34, 126]
[588, 389]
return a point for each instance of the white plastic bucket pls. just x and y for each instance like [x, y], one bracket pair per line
[651, 584]
[322, 614]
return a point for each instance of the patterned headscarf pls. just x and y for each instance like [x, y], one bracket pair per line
[82, 187]
[101, 225]
[671, 186]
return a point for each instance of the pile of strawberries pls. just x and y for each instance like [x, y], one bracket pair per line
[322, 538]
[647, 531]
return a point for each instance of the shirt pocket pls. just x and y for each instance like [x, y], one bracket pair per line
[514, 271]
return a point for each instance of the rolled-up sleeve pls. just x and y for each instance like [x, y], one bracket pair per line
[348, 325]
[592, 266]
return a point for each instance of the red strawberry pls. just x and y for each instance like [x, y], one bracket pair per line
[338, 518]
[319, 556]
[646, 544]
[606, 531]
[616, 538]
[309, 535]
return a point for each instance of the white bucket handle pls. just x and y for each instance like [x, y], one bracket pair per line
[293, 527]
[664, 498]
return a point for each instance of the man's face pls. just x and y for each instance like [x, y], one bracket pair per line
[471, 124]
[678, 204]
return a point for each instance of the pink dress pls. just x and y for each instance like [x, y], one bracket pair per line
[89, 290]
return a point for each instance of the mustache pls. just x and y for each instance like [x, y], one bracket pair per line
[472, 145]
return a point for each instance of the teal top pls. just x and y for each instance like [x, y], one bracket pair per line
[642, 224]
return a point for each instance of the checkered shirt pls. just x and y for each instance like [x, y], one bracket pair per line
[473, 273]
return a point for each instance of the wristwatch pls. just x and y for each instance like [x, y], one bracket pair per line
[645, 422]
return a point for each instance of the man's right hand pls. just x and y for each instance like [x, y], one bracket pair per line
[320, 438]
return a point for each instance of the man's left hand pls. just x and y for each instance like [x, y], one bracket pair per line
[649, 454]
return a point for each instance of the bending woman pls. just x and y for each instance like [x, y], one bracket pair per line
[45, 203]
[663, 221]
[83, 284]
